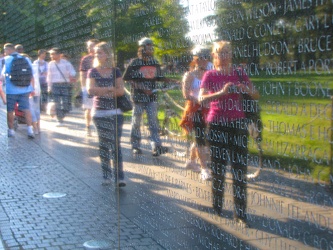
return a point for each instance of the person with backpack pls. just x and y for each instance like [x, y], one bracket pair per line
[18, 76]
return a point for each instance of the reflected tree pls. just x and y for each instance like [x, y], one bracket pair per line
[249, 24]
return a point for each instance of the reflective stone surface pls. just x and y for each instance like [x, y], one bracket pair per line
[283, 47]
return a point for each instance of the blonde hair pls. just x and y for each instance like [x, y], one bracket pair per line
[106, 48]
[218, 47]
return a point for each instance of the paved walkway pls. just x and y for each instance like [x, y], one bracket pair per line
[163, 206]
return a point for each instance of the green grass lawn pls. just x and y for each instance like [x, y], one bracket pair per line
[297, 115]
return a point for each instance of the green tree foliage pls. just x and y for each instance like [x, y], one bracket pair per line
[68, 24]
[163, 21]
[289, 22]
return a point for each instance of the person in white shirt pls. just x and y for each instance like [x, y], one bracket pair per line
[2, 91]
[34, 101]
[60, 78]
[42, 71]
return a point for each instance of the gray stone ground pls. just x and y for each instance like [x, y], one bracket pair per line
[163, 206]
[57, 160]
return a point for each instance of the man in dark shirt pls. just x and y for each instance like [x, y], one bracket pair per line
[142, 73]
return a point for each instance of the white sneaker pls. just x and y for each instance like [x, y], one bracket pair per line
[59, 124]
[11, 133]
[193, 166]
[205, 174]
[31, 133]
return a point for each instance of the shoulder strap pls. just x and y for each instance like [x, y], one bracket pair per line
[61, 72]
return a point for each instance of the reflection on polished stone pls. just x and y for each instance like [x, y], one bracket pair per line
[30, 167]
[53, 195]
[97, 244]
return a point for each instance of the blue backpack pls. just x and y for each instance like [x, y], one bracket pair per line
[20, 71]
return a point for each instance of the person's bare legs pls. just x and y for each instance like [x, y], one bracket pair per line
[193, 152]
[87, 116]
[191, 163]
[202, 157]
[28, 118]
[10, 120]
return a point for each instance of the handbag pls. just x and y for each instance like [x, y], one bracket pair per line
[124, 103]
[187, 120]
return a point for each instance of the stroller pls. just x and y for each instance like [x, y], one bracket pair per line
[19, 117]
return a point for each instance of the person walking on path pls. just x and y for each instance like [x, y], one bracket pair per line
[60, 78]
[42, 71]
[193, 119]
[221, 87]
[85, 65]
[34, 100]
[2, 87]
[105, 83]
[16, 94]
[142, 73]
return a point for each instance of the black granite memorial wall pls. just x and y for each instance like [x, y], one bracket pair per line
[284, 47]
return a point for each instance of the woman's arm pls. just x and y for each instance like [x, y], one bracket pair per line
[186, 87]
[92, 89]
[2, 94]
[205, 97]
[118, 90]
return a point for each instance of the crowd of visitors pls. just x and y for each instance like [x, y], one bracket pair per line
[208, 88]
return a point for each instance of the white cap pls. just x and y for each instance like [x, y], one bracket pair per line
[145, 41]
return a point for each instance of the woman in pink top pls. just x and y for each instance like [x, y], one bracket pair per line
[227, 132]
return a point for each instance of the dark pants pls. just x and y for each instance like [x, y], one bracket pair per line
[229, 146]
[43, 96]
[62, 96]
[109, 131]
